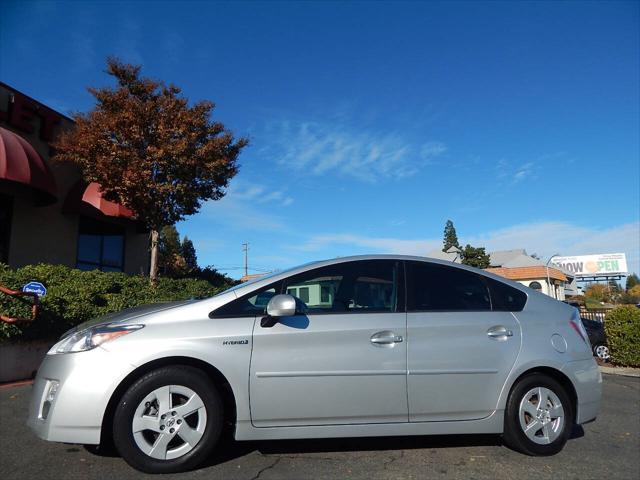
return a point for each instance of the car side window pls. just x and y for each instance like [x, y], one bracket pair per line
[248, 305]
[435, 287]
[363, 286]
[505, 298]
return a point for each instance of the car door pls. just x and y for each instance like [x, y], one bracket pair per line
[344, 360]
[460, 352]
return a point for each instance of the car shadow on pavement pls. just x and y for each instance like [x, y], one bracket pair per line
[228, 449]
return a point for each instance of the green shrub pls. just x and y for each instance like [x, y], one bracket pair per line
[622, 326]
[75, 296]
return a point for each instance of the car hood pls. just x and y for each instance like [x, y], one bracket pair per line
[128, 314]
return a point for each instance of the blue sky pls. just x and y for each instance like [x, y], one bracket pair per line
[373, 123]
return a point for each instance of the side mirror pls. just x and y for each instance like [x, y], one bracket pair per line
[279, 306]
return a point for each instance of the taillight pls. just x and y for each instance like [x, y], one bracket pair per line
[576, 324]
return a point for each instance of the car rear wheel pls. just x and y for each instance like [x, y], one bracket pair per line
[602, 352]
[539, 416]
[168, 421]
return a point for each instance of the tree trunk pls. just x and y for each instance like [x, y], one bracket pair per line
[153, 268]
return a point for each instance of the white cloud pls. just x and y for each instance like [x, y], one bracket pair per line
[325, 147]
[373, 244]
[543, 238]
[549, 238]
[523, 171]
[508, 173]
[240, 207]
[241, 214]
[259, 194]
[431, 150]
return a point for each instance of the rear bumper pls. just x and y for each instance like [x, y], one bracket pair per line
[587, 381]
[86, 382]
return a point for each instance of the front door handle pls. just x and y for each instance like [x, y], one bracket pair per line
[499, 332]
[385, 338]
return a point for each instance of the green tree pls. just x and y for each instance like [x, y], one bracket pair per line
[450, 237]
[189, 255]
[150, 151]
[597, 292]
[632, 281]
[170, 259]
[475, 257]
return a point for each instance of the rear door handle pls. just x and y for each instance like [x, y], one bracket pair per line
[385, 338]
[499, 332]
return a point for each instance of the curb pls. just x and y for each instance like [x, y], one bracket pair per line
[622, 371]
[16, 384]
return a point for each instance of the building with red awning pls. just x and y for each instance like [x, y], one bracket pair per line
[48, 214]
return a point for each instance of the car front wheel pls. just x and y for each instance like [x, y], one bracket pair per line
[539, 416]
[168, 421]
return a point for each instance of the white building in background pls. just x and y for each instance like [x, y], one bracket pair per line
[519, 266]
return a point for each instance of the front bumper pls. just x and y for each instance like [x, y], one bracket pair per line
[587, 381]
[86, 382]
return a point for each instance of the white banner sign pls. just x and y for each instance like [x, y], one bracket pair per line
[594, 265]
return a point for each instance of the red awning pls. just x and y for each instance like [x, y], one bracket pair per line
[88, 200]
[20, 163]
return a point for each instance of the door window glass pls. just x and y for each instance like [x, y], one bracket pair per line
[364, 286]
[435, 287]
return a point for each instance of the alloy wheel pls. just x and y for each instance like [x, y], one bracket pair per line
[541, 415]
[602, 352]
[169, 422]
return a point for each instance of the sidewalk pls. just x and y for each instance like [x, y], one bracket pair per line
[624, 371]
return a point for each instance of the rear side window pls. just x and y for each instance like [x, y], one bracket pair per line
[435, 287]
[505, 298]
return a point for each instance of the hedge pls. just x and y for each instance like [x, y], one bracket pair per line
[75, 296]
[622, 326]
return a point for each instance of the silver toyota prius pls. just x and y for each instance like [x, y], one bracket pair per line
[360, 346]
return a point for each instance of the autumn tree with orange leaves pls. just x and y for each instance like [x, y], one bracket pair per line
[150, 151]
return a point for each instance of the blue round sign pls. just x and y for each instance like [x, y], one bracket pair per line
[35, 287]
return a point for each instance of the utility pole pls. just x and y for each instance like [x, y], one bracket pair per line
[245, 249]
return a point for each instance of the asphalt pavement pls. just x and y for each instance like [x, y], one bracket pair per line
[606, 448]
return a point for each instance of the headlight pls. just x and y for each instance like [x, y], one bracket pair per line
[91, 338]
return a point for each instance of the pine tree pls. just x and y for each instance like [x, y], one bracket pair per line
[450, 237]
[632, 281]
[169, 252]
[189, 255]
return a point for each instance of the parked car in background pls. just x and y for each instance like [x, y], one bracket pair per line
[598, 338]
[374, 345]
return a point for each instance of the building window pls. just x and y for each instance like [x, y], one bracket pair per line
[6, 212]
[100, 246]
[535, 286]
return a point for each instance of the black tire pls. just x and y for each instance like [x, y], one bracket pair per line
[184, 376]
[514, 435]
[595, 351]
